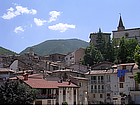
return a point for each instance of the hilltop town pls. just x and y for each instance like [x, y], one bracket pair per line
[87, 76]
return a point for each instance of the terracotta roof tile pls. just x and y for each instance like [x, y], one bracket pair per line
[42, 83]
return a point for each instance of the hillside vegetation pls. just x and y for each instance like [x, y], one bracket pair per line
[62, 46]
[4, 51]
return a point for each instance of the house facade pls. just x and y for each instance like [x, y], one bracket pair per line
[82, 90]
[99, 86]
[114, 86]
[57, 57]
[52, 92]
[75, 57]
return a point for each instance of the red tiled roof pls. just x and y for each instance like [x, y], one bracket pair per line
[66, 84]
[42, 83]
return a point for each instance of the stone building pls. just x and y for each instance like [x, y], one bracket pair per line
[57, 57]
[133, 33]
[93, 37]
[75, 57]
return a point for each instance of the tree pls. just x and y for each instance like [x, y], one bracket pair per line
[122, 51]
[131, 46]
[125, 50]
[137, 60]
[100, 41]
[96, 55]
[16, 93]
[109, 52]
[92, 55]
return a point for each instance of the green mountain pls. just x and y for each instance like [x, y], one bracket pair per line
[62, 46]
[6, 51]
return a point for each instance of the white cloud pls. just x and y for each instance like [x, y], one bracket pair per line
[19, 29]
[11, 12]
[54, 15]
[61, 27]
[39, 22]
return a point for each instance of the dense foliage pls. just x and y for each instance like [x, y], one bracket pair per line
[125, 50]
[92, 55]
[16, 93]
[137, 60]
[115, 51]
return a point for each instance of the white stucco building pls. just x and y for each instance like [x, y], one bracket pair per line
[113, 86]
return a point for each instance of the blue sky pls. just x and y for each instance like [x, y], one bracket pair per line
[24, 23]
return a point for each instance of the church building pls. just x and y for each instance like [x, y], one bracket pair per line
[133, 33]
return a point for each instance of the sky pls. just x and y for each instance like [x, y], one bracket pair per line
[24, 23]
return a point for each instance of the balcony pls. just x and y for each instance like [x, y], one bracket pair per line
[101, 91]
[97, 82]
[94, 91]
[100, 82]
[98, 91]
[134, 88]
[93, 82]
[45, 96]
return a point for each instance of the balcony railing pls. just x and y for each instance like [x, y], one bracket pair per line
[134, 88]
[94, 91]
[97, 82]
[98, 91]
[45, 96]
[93, 82]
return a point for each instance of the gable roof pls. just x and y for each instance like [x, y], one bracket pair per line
[40, 83]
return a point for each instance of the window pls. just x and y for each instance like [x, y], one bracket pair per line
[91, 88]
[108, 78]
[121, 85]
[43, 91]
[93, 95]
[108, 95]
[64, 95]
[80, 84]
[102, 86]
[122, 79]
[49, 91]
[102, 78]
[98, 86]
[124, 67]
[74, 97]
[126, 34]
[93, 78]
[57, 96]
[95, 87]
[101, 95]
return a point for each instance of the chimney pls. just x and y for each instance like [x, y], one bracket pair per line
[69, 82]
[25, 76]
[60, 81]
